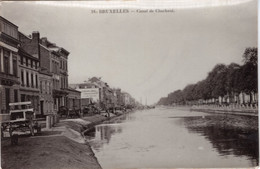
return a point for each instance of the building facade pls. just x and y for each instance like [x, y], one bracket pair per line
[29, 78]
[31, 44]
[32, 69]
[9, 78]
[89, 93]
[106, 93]
[119, 97]
[99, 92]
[74, 99]
[59, 71]
[46, 99]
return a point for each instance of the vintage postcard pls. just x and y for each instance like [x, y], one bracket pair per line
[129, 84]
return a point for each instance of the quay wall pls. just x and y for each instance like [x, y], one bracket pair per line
[248, 111]
[234, 110]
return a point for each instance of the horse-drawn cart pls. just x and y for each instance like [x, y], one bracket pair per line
[20, 119]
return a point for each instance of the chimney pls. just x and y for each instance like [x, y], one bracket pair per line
[35, 44]
[44, 41]
[36, 35]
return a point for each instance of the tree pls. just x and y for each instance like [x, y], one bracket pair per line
[222, 80]
[249, 72]
[202, 90]
[216, 80]
[233, 80]
[162, 101]
[188, 92]
[250, 56]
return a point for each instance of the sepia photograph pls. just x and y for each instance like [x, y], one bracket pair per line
[129, 84]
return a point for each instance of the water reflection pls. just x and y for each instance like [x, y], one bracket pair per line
[124, 118]
[104, 132]
[227, 140]
[169, 138]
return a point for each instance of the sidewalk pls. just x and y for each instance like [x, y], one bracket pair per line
[59, 147]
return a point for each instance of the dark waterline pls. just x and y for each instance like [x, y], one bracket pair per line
[173, 138]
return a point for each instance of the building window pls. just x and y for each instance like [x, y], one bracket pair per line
[66, 82]
[56, 67]
[36, 81]
[41, 86]
[32, 84]
[7, 97]
[27, 79]
[22, 97]
[6, 61]
[16, 97]
[61, 82]
[52, 66]
[32, 65]
[10, 30]
[6, 65]
[22, 78]
[50, 87]
[53, 83]
[21, 60]
[26, 60]
[46, 87]
[58, 84]
[15, 67]
[29, 63]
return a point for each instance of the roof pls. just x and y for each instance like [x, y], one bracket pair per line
[21, 51]
[25, 35]
[85, 84]
[53, 47]
[94, 79]
[74, 90]
[2, 18]
[44, 47]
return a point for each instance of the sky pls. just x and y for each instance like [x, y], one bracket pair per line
[147, 55]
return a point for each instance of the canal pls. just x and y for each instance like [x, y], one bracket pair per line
[172, 138]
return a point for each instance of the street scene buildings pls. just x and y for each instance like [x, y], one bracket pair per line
[9, 78]
[137, 87]
[35, 69]
[102, 95]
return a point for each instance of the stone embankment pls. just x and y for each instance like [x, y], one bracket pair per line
[235, 110]
[232, 110]
[62, 146]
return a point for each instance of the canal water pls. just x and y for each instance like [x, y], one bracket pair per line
[171, 138]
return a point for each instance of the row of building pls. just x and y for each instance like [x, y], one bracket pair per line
[96, 91]
[32, 68]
